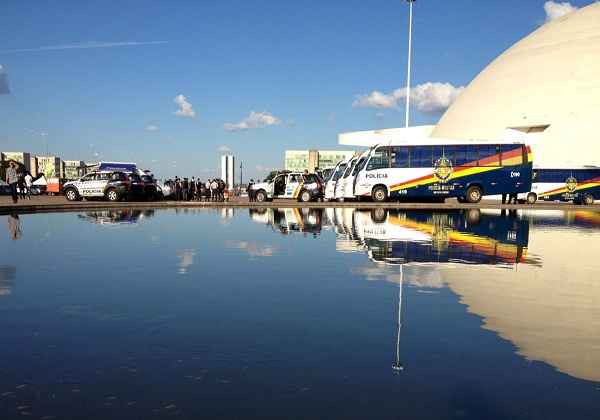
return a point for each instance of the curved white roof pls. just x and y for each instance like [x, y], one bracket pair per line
[547, 87]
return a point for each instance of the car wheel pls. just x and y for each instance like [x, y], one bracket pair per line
[531, 198]
[71, 194]
[305, 196]
[379, 194]
[261, 196]
[588, 199]
[474, 194]
[112, 195]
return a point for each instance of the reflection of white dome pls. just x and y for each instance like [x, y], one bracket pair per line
[551, 313]
[551, 77]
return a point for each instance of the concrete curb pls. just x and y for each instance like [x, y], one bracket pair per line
[83, 206]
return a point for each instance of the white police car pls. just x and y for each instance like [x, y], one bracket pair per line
[94, 185]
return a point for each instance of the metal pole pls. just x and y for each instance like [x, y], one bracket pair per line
[397, 366]
[410, 18]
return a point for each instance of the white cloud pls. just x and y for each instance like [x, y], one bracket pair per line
[430, 97]
[224, 149]
[152, 127]
[87, 45]
[185, 108]
[254, 120]
[555, 10]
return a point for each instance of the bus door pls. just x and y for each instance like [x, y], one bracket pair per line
[292, 187]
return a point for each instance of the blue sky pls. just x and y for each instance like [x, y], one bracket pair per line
[100, 79]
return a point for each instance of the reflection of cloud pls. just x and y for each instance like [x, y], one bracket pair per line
[7, 277]
[254, 249]
[417, 276]
[186, 259]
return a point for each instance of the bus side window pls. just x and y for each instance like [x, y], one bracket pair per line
[489, 155]
[379, 160]
[466, 155]
[420, 157]
[472, 155]
[438, 153]
[511, 154]
[400, 157]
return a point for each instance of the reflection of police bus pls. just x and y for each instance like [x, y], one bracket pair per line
[439, 169]
[461, 236]
[579, 185]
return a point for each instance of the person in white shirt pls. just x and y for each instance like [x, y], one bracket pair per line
[28, 184]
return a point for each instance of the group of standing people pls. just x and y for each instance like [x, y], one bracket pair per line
[196, 190]
[19, 181]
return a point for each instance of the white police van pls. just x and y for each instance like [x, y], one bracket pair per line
[295, 185]
[95, 185]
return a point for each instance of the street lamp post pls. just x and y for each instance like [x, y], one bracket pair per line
[410, 18]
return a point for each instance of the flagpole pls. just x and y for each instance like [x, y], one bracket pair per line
[410, 19]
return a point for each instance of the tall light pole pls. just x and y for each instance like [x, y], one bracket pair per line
[410, 18]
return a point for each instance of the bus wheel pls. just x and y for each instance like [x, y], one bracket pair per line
[588, 199]
[379, 194]
[531, 198]
[261, 196]
[474, 194]
[379, 215]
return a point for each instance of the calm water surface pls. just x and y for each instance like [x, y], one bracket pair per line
[299, 313]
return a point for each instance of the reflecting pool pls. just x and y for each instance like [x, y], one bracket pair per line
[300, 313]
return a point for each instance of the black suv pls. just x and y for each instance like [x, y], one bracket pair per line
[117, 187]
[150, 189]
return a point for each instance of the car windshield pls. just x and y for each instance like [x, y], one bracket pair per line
[134, 177]
[147, 178]
[340, 171]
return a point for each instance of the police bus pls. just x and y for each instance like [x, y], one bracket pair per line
[579, 185]
[331, 182]
[341, 183]
[438, 169]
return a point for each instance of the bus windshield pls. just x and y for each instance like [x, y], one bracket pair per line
[349, 169]
[361, 164]
[340, 171]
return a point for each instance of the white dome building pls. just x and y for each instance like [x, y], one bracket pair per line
[547, 87]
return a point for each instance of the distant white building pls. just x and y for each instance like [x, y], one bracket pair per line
[228, 170]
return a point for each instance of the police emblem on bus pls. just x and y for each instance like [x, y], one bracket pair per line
[443, 169]
[571, 184]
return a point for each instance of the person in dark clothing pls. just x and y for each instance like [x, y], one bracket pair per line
[504, 198]
[185, 189]
[21, 185]
[177, 189]
[512, 198]
[251, 191]
[199, 189]
[192, 189]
